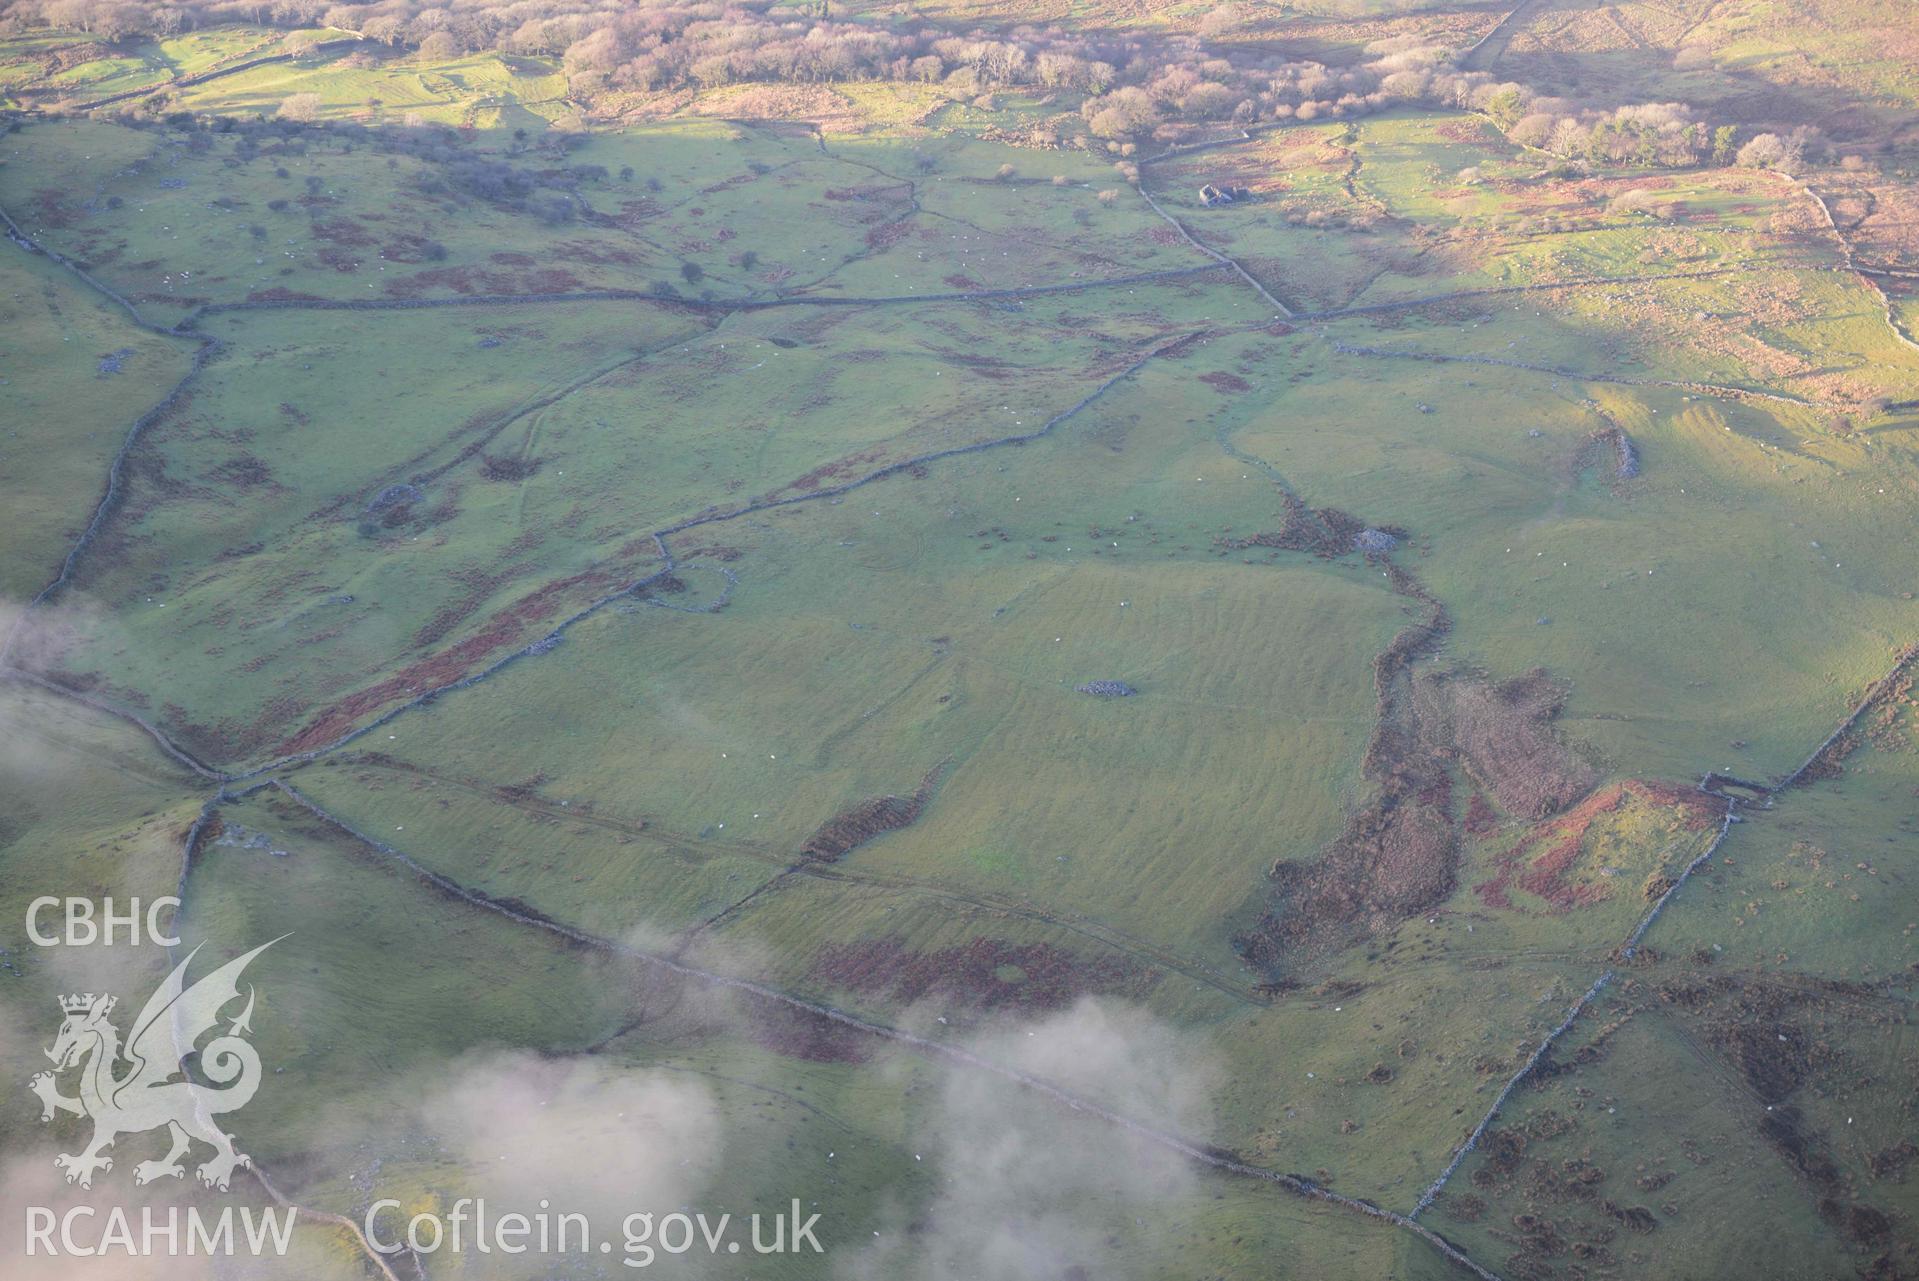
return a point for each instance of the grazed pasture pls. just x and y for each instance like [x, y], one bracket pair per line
[627, 601]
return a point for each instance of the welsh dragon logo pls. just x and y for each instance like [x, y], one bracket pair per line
[143, 1085]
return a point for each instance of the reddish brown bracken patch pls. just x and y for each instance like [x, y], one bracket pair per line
[871, 818]
[985, 974]
[472, 280]
[280, 293]
[1542, 861]
[847, 468]
[1481, 820]
[798, 1034]
[510, 626]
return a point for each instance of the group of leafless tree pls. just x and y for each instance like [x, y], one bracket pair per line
[1133, 90]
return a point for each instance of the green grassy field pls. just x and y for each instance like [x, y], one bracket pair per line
[69, 356]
